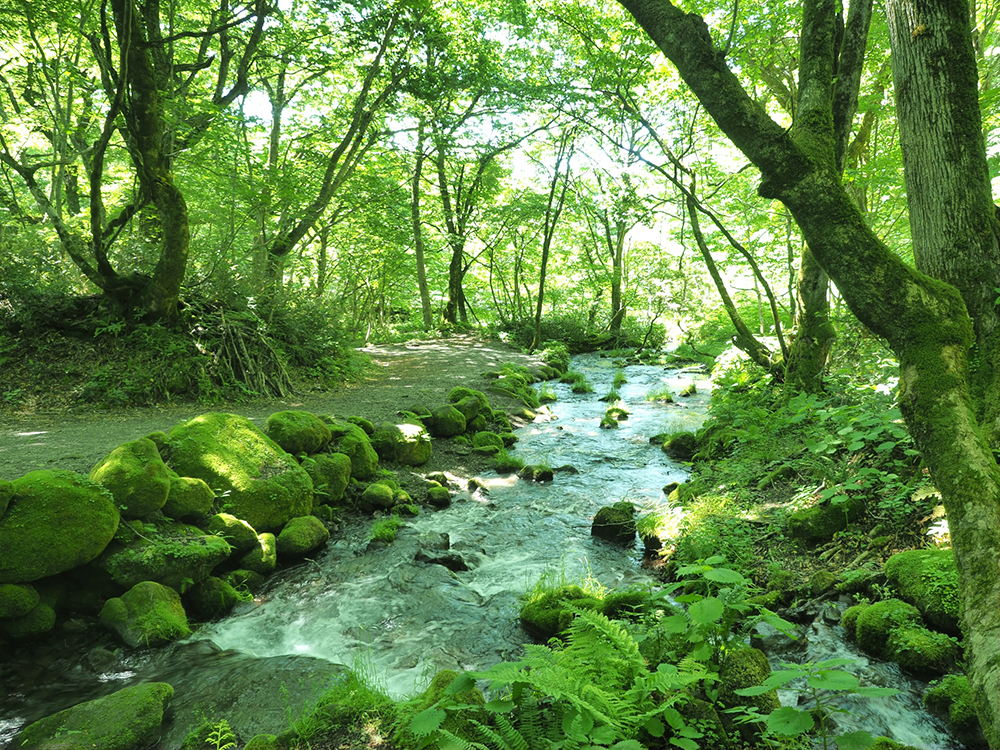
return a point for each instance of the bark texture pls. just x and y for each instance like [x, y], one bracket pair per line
[924, 320]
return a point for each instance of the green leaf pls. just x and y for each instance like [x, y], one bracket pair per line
[709, 610]
[654, 726]
[499, 706]
[674, 718]
[829, 664]
[684, 743]
[427, 721]
[789, 722]
[675, 624]
[724, 575]
[854, 741]
[856, 445]
[833, 679]
[461, 684]
[715, 560]
[688, 598]
[627, 745]
[754, 690]
[888, 445]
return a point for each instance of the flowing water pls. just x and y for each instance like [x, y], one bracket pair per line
[387, 607]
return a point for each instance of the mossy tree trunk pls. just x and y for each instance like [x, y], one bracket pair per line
[815, 335]
[948, 191]
[924, 320]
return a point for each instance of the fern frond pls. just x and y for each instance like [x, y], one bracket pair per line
[504, 737]
[454, 742]
[605, 649]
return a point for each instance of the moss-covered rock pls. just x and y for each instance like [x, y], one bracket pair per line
[258, 481]
[129, 719]
[820, 522]
[242, 579]
[6, 493]
[487, 440]
[263, 742]
[460, 393]
[850, 620]
[330, 474]
[298, 431]
[446, 421]
[189, 499]
[37, 621]
[354, 443]
[179, 557]
[680, 445]
[56, 520]
[547, 615]
[17, 600]
[615, 523]
[469, 406]
[743, 668]
[821, 582]
[136, 476]
[952, 700]
[407, 443]
[302, 535]
[928, 579]
[875, 623]
[377, 496]
[922, 651]
[884, 743]
[237, 533]
[211, 599]
[439, 497]
[364, 424]
[263, 557]
[147, 615]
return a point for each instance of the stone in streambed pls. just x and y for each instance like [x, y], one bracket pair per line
[615, 523]
[147, 615]
[298, 432]
[302, 535]
[353, 442]
[125, 720]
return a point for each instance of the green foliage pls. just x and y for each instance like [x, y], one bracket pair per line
[505, 462]
[384, 529]
[660, 394]
[356, 699]
[823, 680]
[578, 382]
[221, 737]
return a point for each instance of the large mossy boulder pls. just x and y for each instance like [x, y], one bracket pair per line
[928, 579]
[298, 432]
[178, 556]
[923, 652]
[136, 476]
[56, 521]
[257, 480]
[952, 700]
[875, 623]
[377, 496]
[6, 493]
[407, 443]
[189, 499]
[354, 443]
[820, 522]
[445, 421]
[330, 474]
[129, 719]
[615, 523]
[147, 615]
[301, 536]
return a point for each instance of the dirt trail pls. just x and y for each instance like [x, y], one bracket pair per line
[401, 376]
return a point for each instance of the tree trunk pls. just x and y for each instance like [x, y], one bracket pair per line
[924, 320]
[617, 247]
[952, 222]
[810, 351]
[418, 233]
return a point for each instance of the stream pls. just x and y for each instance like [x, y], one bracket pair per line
[389, 610]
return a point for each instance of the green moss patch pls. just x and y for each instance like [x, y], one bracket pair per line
[147, 615]
[136, 476]
[928, 579]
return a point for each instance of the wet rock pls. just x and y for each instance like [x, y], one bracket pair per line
[147, 615]
[377, 496]
[680, 445]
[773, 642]
[451, 560]
[615, 523]
[125, 720]
[56, 521]
[211, 599]
[263, 558]
[17, 600]
[40, 619]
[439, 497]
[302, 535]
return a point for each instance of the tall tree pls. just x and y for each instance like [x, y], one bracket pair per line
[925, 320]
